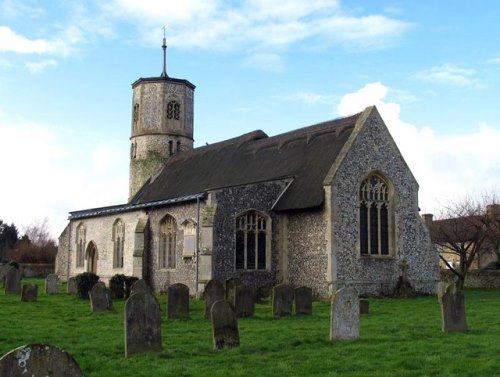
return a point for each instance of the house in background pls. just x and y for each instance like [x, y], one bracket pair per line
[325, 206]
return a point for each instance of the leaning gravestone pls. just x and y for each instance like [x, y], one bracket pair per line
[13, 281]
[224, 325]
[142, 324]
[282, 300]
[39, 360]
[51, 284]
[178, 301]
[231, 285]
[344, 321]
[244, 302]
[29, 293]
[452, 308]
[72, 286]
[303, 300]
[139, 286]
[214, 291]
[100, 298]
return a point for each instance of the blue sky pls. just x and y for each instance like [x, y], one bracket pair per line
[66, 68]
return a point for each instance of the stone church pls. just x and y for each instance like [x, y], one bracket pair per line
[325, 206]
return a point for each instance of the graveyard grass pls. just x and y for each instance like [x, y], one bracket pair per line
[397, 338]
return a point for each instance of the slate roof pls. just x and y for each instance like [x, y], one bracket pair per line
[303, 156]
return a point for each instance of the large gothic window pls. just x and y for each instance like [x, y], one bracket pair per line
[168, 230]
[118, 242]
[80, 245]
[252, 232]
[174, 110]
[374, 216]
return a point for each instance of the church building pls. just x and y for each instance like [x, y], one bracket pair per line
[325, 206]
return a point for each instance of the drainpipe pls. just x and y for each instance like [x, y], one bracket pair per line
[69, 251]
[197, 241]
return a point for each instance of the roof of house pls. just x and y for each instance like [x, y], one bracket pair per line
[302, 156]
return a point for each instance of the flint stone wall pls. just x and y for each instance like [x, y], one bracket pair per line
[375, 151]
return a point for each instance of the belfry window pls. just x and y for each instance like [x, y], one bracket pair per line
[118, 242]
[374, 216]
[252, 246]
[168, 230]
[173, 110]
[80, 245]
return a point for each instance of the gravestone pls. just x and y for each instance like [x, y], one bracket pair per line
[142, 324]
[303, 300]
[29, 293]
[51, 284]
[178, 301]
[140, 286]
[39, 360]
[13, 281]
[224, 325]
[3, 272]
[231, 285]
[72, 286]
[344, 321]
[282, 300]
[452, 304]
[244, 301]
[214, 291]
[364, 306]
[100, 298]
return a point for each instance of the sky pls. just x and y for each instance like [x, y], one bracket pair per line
[432, 68]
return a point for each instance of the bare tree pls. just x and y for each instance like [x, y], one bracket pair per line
[38, 233]
[460, 231]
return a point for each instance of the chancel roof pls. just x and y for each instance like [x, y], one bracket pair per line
[303, 157]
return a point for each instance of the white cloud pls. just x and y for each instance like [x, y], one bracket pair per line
[44, 176]
[10, 41]
[494, 60]
[450, 74]
[37, 67]
[308, 98]
[446, 167]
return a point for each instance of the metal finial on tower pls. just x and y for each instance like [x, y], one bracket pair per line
[164, 46]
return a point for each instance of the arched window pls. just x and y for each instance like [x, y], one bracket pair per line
[80, 245]
[168, 230]
[118, 242]
[189, 248]
[173, 110]
[252, 232]
[374, 216]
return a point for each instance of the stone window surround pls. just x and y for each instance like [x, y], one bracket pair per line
[391, 217]
[167, 258]
[268, 231]
[118, 243]
[80, 245]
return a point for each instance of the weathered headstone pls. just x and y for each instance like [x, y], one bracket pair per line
[13, 281]
[39, 360]
[231, 284]
[29, 293]
[142, 324]
[282, 300]
[139, 286]
[452, 304]
[51, 284]
[214, 291]
[364, 306]
[244, 301]
[344, 321]
[224, 325]
[303, 300]
[72, 286]
[3, 272]
[178, 301]
[100, 298]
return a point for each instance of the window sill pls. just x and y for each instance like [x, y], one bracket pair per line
[377, 257]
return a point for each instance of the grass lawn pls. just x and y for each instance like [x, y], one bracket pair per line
[398, 338]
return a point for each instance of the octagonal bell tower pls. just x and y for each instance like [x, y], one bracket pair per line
[162, 124]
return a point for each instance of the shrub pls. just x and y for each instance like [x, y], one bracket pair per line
[120, 285]
[84, 282]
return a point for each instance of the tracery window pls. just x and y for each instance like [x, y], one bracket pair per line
[80, 245]
[173, 110]
[374, 216]
[252, 232]
[168, 229]
[118, 243]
